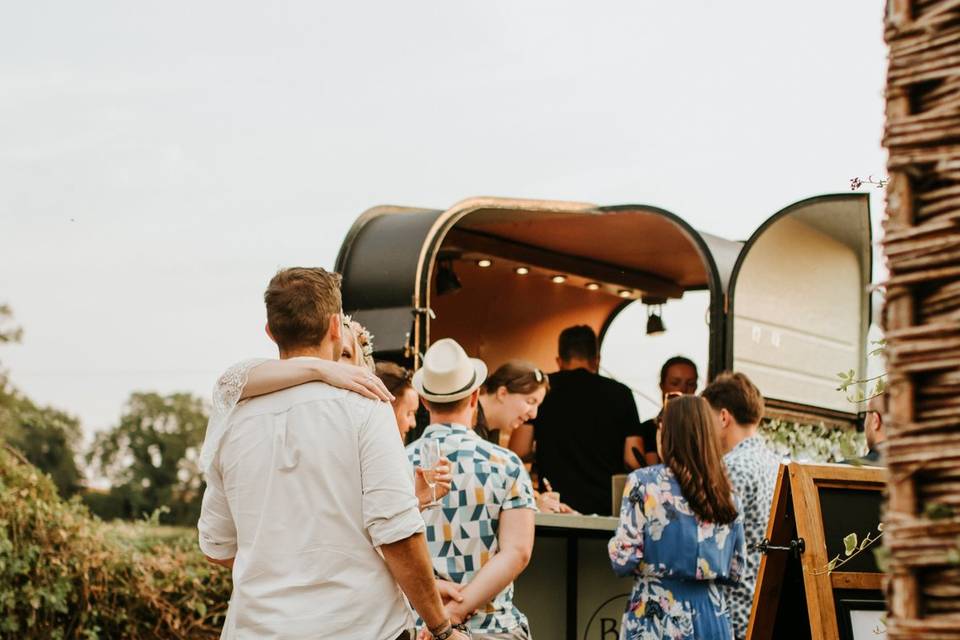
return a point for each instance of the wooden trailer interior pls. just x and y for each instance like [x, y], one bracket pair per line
[581, 268]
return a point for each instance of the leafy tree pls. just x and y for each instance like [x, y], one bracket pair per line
[8, 331]
[150, 457]
[45, 436]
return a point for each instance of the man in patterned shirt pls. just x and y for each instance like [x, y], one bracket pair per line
[738, 406]
[481, 535]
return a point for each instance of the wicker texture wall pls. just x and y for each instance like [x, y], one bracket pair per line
[922, 317]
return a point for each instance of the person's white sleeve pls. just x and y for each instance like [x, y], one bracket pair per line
[226, 395]
[390, 506]
[218, 532]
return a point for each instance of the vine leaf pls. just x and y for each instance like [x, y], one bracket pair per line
[879, 387]
[882, 556]
[850, 543]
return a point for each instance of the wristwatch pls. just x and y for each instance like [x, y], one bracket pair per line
[442, 632]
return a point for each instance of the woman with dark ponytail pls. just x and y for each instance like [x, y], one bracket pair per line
[680, 533]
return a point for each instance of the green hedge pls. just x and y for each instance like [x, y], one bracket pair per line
[66, 574]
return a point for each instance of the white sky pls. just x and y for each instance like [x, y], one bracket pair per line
[158, 162]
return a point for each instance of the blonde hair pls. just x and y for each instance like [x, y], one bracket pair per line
[362, 343]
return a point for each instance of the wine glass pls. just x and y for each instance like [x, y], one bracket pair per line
[429, 459]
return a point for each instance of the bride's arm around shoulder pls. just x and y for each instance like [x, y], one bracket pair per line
[258, 376]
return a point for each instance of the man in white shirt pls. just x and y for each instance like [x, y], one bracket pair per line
[310, 498]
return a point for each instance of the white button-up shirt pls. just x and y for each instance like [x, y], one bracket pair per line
[306, 484]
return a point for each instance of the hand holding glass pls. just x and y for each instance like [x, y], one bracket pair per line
[429, 459]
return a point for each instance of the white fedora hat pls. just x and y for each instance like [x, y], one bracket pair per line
[448, 374]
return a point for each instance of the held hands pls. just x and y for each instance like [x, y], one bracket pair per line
[453, 608]
[449, 591]
[443, 475]
[352, 378]
[453, 602]
[456, 612]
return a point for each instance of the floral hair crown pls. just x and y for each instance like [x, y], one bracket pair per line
[364, 337]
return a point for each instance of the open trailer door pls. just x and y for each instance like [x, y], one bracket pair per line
[799, 304]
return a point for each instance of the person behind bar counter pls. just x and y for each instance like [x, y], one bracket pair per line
[677, 375]
[680, 535]
[510, 397]
[582, 428]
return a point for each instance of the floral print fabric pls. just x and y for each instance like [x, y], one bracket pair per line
[753, 470]
[678, 562]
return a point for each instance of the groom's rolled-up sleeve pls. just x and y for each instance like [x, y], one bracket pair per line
[390, 506]
[218, 532]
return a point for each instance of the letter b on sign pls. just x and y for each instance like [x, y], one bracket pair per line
[608, 629]
[604, 623]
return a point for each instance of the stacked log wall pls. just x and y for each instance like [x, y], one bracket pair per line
[922, 318]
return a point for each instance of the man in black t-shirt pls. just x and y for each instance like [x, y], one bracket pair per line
[582, 426]
[677, 375]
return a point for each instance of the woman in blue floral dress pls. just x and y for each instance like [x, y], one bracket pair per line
[679, 533]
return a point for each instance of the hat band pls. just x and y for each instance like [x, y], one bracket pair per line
[473, 379]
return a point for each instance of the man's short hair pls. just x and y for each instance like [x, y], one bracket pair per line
[300, 301]
[676, 360]
[579, 341]
[738, 395]
[444, 408]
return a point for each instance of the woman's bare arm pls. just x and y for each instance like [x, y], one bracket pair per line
[274, 375]
[631, 444]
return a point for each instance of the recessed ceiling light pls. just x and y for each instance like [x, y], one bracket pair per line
[484, 263]
[522, 271]
[559, 279]
[593, 286]
[625, 293]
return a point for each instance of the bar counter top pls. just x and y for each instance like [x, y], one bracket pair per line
[576, 521]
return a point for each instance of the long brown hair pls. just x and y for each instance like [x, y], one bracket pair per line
[689, 447]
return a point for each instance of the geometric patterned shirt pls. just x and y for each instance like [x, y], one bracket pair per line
[462, 532]
[753, 472]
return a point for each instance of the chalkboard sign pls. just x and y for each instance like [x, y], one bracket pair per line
[848, 511]
[797, 594]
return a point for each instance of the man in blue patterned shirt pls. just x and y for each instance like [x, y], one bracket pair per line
[738, 406]
[481, 534]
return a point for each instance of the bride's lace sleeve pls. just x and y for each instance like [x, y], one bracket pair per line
[226, 395]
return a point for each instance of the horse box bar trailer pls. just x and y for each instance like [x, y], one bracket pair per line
[789, 307]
